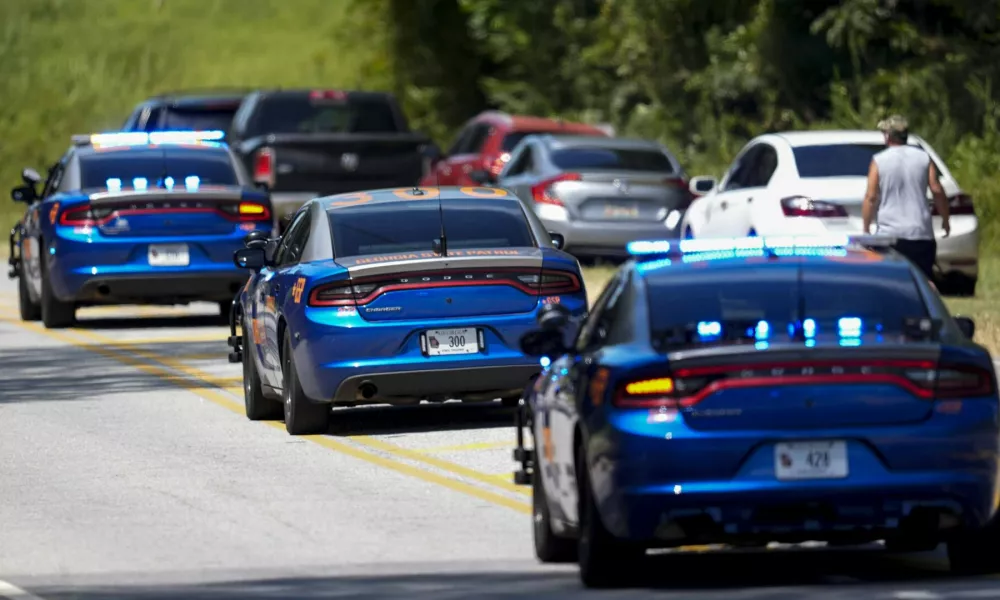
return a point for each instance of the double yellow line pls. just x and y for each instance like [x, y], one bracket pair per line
[366, 448]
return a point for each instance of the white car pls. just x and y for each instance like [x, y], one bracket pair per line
[808, 182]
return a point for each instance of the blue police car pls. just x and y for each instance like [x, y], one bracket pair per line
[134, 218]
[761, 390]
[396, 296]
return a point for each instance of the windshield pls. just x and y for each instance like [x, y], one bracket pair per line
[211, 168]
[198, 119]
[512, 139]
[412, 226]
[881, 295]
[302, 114]
[619, 159]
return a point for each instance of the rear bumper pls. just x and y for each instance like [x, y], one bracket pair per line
[609, 238]
[444, 382]
[160, 288]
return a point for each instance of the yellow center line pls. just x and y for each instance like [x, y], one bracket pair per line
[467, 447]
[133, 358]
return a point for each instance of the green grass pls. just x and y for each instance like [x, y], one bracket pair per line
[69, 66]
[983, 309]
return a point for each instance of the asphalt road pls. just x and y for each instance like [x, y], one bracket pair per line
[128, 470]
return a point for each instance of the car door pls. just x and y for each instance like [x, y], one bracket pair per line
[42, 214]
[464, 156]
[726, 207]
[563, 409]
[274, 287]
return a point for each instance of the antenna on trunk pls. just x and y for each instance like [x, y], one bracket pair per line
[440, 244]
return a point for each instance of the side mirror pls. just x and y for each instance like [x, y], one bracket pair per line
[558, 240]
[250, 258]
[553, 317]
[702, 185]
[256, 239]
[543, 342]
[31, 177]
[24, 193]
[482, 177]
[967, 326]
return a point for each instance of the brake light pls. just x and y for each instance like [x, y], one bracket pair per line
[960, 204]
[800, 206]
[263, 166]
[954, 381]
[251, 211]
[542, 193]
[363, 292]
[80, 216]
[647, 393]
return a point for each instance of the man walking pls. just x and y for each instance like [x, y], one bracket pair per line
[896, 199]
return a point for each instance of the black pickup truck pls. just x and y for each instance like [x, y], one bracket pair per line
[307, 143]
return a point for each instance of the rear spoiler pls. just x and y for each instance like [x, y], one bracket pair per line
[159, 194]
[363, 266]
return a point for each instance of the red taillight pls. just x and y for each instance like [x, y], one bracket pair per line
[800, 206]
[337, 95]
[79, 216]
[648, 393]
[263, 166]
[542, 193]
[960, 204]
[251, 211]
[342, 293]
[955, 381]
[676, 182]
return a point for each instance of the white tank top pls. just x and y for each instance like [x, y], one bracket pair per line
[903, 210]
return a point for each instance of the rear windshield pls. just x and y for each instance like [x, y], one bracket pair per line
[513, 138]
[198, 119]
[836, 160]
[880, 295]
[412, 226]
[301, 114]
[619, 159]
[210, 168]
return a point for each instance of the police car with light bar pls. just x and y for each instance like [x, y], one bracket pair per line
[134, 218]
[744, 391]
[396, 296]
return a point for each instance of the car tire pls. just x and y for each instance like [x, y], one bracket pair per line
[604, 560]
[30, 311]
[302, 417]
[56, 314]
[976, 552]
[258, 407]
[549, 548]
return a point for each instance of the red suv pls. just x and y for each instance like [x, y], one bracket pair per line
[483, 147]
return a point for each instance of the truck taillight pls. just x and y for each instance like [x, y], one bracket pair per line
[263, 166]
[959, 204]
[800, 206]
[542, 192]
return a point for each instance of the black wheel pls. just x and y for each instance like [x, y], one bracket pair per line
[957, 285]
[510, 402]
[56, 314]
[548, 547]
[605, 561]
[30, 311]
[976, 552]
[302, 417]
[258, 407]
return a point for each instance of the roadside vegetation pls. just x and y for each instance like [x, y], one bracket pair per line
[703, 76]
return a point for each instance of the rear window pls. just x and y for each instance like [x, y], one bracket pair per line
[209, 168]
[301, 114]
[412, 226]
[836, 160]
[198, 119]
[880, 295]
[619, 159]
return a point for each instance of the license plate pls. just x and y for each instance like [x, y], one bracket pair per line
[441, 342]
[169, 255]
[621, 211]
[810, 460]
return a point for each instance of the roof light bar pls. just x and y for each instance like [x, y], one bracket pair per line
[141, 138]
[661, 248]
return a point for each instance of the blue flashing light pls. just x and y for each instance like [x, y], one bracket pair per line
[646, 267]
[140, 183]
[191, 182]
[850, 341]
[645, 247]
[140, 138]
[168, 183]
[849, 327]
[131, 138]
[761, 345]
[114, 184]
[709, 329]
[809, 328]
[721, 244]
[545, 361]
[762, 331]
[810, 343]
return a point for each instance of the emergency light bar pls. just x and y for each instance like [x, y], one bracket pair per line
[664, 248]
[141, 138]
